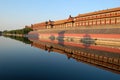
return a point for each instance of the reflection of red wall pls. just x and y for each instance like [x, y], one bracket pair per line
[105, 36]
[101, 48]
[114, 36]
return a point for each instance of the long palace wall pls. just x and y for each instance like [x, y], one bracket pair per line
[108, 36]
[100, 28]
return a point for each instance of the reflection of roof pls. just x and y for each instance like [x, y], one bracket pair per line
[101, 11]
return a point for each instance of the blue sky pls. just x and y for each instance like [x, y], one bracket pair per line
[15, 14]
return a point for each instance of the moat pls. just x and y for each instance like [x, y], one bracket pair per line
[32, 59]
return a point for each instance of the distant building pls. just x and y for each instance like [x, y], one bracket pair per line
[102, 17]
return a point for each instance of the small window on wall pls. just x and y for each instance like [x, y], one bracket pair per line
[110, 14]
[94, 16]
[107, 21]
[88, 17]
[103, 15]
[98, 16]
[77, 24]
[107, 15]
[94, 22]
[80, 19]
[119, 13]
[118, 20]
[80, 24]
[115, 13]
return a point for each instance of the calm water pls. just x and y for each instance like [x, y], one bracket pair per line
[21, 61]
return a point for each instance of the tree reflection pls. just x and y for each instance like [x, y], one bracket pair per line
[22, 39]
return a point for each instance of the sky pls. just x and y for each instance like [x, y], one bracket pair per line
[16, 14]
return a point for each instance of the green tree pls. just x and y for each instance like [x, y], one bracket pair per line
[25, 30]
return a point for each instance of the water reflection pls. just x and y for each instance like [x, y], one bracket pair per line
[22, 39]
[102, 59]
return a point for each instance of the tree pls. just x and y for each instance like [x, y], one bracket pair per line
[25, 30]
[0, 32]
